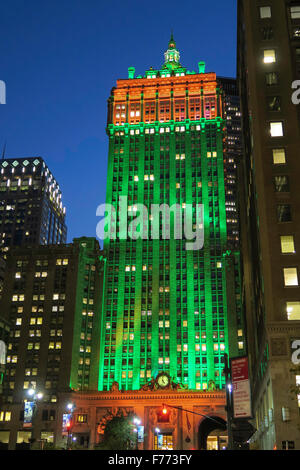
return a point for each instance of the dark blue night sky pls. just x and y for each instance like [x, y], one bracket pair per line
[60, 59]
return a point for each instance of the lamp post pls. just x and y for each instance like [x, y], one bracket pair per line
[228, 408]
[70, 408]
[137, 423]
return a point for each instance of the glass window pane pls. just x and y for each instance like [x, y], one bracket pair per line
[265, 12]
[287, 244]
[290, 277]
[279, 156]
[269, 56]
[274, 103]
[281, 184]
[271, 78]
[295, 12]
[276, 129]
[284, 213]
[293, 310]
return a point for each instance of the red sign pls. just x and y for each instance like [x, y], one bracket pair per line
[241, 388]
[239, 369]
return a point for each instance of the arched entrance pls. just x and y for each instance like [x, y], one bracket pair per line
[211, 429]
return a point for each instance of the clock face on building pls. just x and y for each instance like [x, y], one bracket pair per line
[163, 380]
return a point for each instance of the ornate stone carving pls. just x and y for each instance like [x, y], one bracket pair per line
[114, 387]
[211, 386]
[153, 416]
[278, 347]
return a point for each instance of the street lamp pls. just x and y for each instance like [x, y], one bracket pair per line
[137, 422]
[70, 408]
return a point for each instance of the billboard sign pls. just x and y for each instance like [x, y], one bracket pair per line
[241, 388]
[66, 423]
[28, 413]
[140, 431]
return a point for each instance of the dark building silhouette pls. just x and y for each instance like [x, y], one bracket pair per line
[268, 63]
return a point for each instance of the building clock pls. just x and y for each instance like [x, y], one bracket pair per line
[163, 380]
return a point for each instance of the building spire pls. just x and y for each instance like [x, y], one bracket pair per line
[172, 43]
[172, 55]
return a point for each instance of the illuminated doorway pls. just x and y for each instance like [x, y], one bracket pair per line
[212, 433]
[163, 441]
[217, 440]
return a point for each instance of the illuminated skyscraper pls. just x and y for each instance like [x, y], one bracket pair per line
[31, 209]
[168, 309]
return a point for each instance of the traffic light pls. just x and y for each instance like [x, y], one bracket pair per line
[164, 414]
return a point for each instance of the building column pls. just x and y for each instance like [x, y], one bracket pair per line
[92, 427]
[139, 411]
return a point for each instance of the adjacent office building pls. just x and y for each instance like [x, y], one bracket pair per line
[52, 295]
[268, 64]
[31, 209]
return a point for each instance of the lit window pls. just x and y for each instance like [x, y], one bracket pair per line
[293, 310]
[276, 129]
[240, 344]
[279, 156]
[296, 32]
[290, 277]
[269, 56]
[295, 12]
[265, 12]
[287, 244]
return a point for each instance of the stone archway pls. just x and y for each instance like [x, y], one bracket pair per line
[207, 425]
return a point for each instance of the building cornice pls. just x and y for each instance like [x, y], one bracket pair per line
[141, 395]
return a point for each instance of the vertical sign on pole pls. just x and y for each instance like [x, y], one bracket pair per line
[241, 388]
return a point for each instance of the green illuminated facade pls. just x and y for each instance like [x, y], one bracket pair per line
[166, 308]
